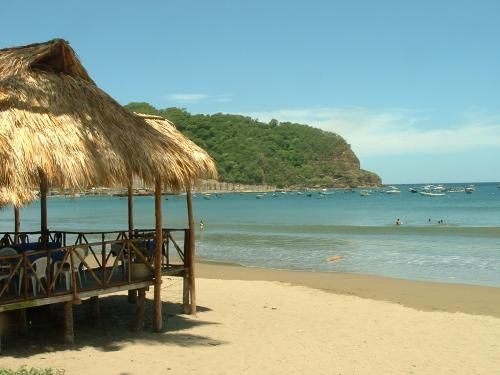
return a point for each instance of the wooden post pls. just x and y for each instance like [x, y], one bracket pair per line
[95, 311]
[22, 323]
[132, 294]
[17, 224]
[191, 251]
[69, 335]
[185, 285]
[158, 318]
[43, 207]
[140, 308]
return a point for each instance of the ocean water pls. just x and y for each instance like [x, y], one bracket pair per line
[298, 232]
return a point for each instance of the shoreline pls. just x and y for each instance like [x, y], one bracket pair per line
[419, 295]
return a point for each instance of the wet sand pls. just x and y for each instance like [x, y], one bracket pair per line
[420, 295]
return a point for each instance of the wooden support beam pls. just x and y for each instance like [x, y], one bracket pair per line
[130, 210]
[185, 294]
[17, 224]
[69, 335]
[43, 202]
[95, 311]
[132, 294]
[140, 309]
[191, 252]
[158, 317]
[22, 322]
[44, 187]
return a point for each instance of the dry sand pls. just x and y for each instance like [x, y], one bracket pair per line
[259, 326]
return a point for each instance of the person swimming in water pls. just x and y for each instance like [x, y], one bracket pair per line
[398, 222]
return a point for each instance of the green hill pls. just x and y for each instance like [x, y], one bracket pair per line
[279, 153]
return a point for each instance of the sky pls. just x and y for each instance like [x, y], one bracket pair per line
[412, 85]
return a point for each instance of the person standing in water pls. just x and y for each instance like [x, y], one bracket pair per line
[201, 229]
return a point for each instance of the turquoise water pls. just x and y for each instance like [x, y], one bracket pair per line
[292, 231]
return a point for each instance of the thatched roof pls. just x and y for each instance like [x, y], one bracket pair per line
[17, 198]
[55, 120]
[183, 148]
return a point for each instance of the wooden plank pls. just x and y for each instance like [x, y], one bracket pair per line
[69, 297]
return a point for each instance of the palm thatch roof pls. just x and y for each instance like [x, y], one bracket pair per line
[55, 121]
[17, 198]
[182, 149]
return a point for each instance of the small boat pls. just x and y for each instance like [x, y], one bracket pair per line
[207, 196]
[364, 193]
[469, 189]
[413, 190]
[439, 189]
[431, 194]
[260, 196]
[393, 190]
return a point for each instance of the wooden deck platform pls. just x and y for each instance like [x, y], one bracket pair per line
[11, 301]
[111, 264]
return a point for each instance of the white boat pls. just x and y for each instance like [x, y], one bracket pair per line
[469, 189]
[259, 196]
[456, 190]
[413, 190]
[392, 190]
[431, 194]
[439, 189]
[364, 193]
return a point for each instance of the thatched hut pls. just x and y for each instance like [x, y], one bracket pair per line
[57, 128]
[56, 121]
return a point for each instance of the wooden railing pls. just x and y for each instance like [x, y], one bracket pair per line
[73, 262]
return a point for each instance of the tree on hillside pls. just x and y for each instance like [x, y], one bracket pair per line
[252, 152]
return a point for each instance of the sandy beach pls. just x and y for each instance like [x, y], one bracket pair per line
[254, 321]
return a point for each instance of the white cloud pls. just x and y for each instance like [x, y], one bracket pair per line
[395, 132]
[190, 98]
[186, 98]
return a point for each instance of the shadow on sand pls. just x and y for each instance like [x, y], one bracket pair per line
[114, 330]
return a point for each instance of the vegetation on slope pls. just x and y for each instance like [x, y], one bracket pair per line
[283, 154]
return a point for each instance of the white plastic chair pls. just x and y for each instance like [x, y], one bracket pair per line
[7, 266]
[40, 267]
[65, 267]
